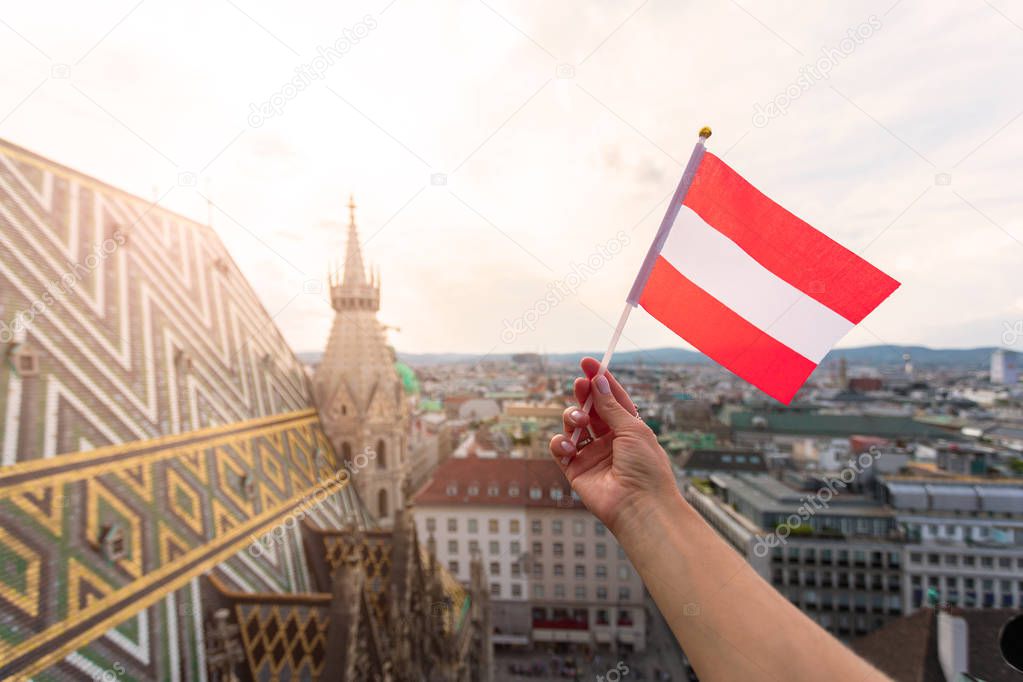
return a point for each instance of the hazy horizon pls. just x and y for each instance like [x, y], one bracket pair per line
[525, 140]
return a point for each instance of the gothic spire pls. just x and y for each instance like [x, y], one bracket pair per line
[355, 272]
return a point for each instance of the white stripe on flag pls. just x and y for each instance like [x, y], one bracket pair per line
[717, 265]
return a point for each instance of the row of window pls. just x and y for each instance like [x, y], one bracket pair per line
[859, 581]
[557, 549]
[969, 560]
[514, 526]
[876, 603]
[829, 556]
[951, 583]
[556, 493]
[599, 571]
[580, 592]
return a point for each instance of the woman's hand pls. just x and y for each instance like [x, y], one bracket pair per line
[623, 468]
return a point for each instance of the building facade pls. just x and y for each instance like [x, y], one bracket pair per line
[358, 391]
[556, 574]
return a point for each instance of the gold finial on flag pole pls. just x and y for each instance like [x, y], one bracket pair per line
[705, 132]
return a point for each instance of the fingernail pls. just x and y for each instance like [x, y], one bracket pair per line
[567, 446]
[576, 416]
[602, 385]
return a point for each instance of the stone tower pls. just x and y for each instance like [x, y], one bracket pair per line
[358, 391]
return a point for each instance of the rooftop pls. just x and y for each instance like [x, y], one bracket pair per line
[499, 482]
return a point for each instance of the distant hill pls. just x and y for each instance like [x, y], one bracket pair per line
[961, 358]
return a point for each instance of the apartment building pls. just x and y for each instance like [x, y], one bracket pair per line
[841, 564]
[964, 540]
[556, 574]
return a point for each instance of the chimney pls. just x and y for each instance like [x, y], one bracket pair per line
[953, 645]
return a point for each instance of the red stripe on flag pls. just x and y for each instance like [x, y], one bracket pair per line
[787, 246]
[722, 335]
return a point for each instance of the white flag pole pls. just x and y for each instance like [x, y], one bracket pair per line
[648, 263]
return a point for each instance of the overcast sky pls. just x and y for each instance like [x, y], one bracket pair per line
[494, 147]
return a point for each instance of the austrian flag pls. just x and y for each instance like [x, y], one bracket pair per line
[752, 286]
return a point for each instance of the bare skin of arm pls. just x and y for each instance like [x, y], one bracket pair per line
[731, 623]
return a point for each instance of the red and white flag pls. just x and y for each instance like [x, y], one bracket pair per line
[752, 286]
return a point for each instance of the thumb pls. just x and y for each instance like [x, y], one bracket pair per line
[608, 407]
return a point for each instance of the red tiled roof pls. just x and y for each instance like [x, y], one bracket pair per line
[454, 480]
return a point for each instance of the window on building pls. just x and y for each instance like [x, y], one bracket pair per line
[452, 525]
[452, 489]
[383, 510]
[515, 548]
[580, 571]
[452, 546]
[516, 589]
[580, 592]
[495, 568]
[559, 591]
[381, 454]
[601, 595]
[559, 570]
[492, 526]
[558, 549]
[516, 569]
[474, 546]
[556, 527]
[495, 589]
[599, 528]
[431, 524]
[346, 452]
[601, 550]
[538, 591]
[537, 526]
[535, 493]
[474, 488]
[537, 569]
[579, 550]
[578, 528]
[513, 490]
[623, 593]
[601, 571]
[621, 552]
[473, 526]
[513, 526]
[556, 494]
[537, 549]
[494, 547]
[493, 490]
[623, 572]
[453, 567]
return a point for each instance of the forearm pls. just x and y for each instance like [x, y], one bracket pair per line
[718, 607]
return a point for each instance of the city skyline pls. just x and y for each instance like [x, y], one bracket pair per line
[478, 194]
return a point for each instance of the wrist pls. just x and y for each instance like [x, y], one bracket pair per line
[648, 515]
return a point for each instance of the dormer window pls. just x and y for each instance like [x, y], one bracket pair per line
[493, 490]
[535, 493]
[474, 488]
[452, 489]
[556, 494]
[513, 490]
